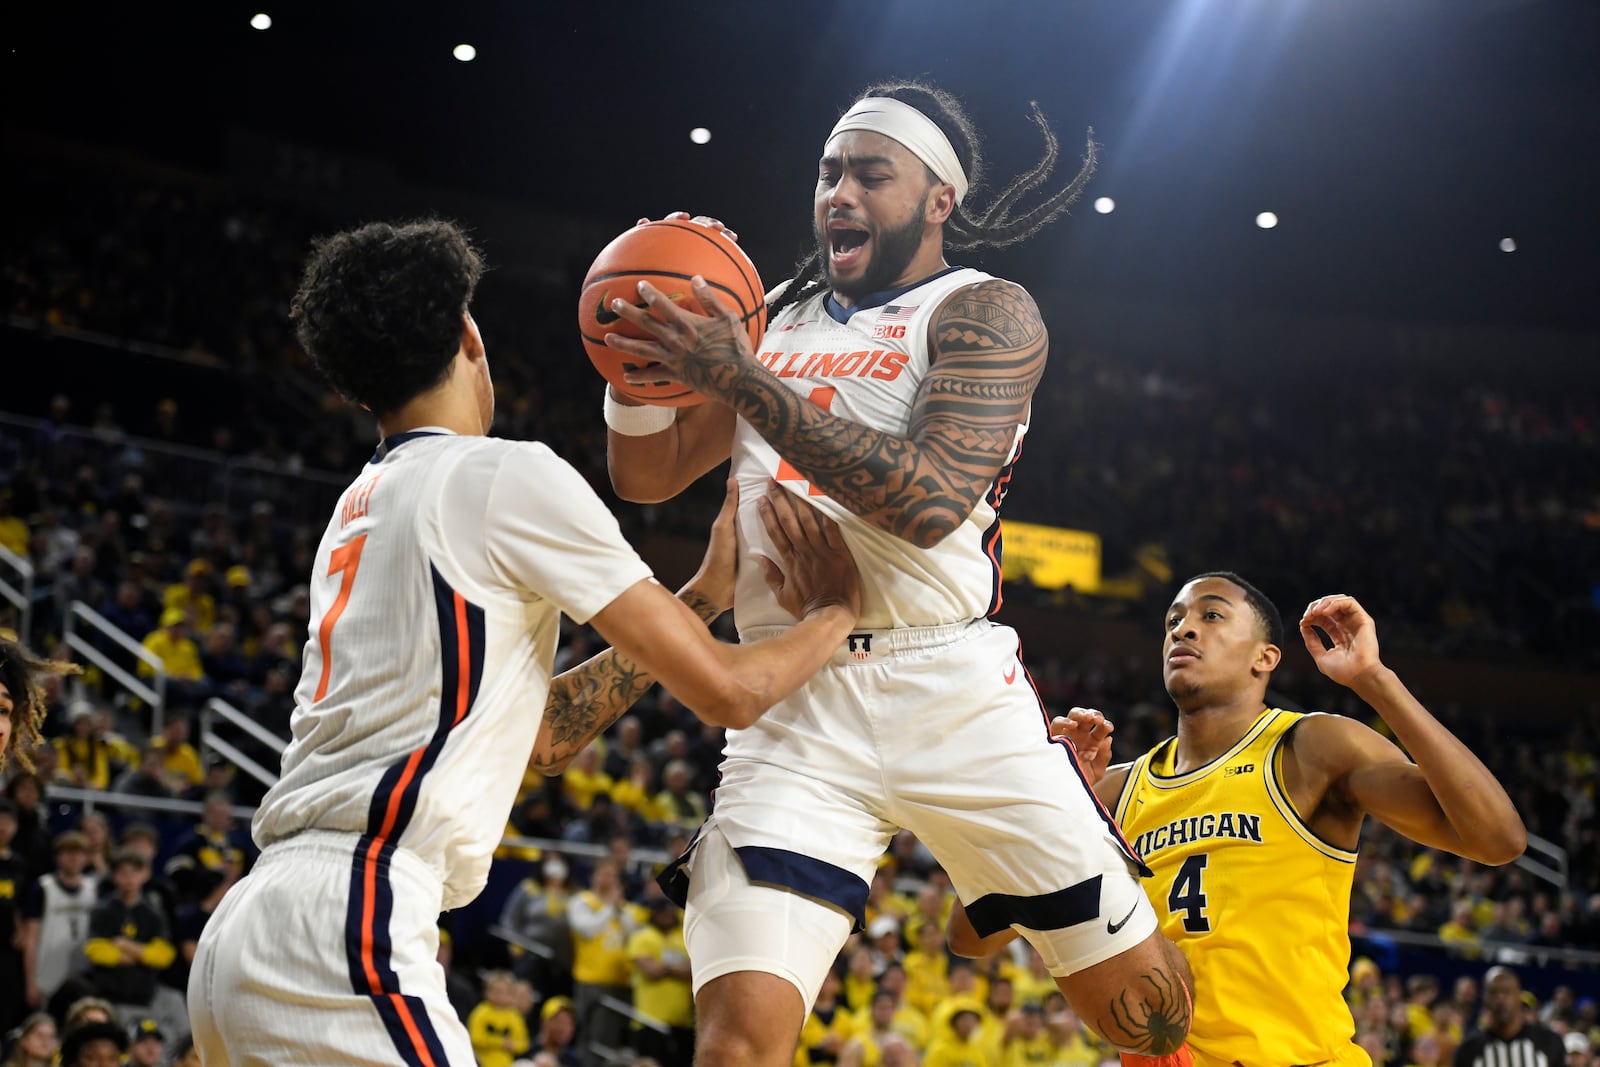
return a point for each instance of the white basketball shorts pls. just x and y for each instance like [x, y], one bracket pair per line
[326, 953]
[938, 730]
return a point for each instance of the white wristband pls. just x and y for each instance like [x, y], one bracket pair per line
[637, 420]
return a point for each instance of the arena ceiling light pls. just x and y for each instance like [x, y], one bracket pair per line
[1507, 244]
[261, 21]
[700, 135]
[465, 53]
[1105, 205]
[1266, 220]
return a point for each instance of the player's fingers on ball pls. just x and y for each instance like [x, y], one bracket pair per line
[711, 300]
[645, 351]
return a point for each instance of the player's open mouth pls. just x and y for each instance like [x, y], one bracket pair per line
[846, 244]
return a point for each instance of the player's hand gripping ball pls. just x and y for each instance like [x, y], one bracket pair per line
[666, 254]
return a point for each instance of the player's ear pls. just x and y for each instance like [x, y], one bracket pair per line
[941, 203]
[471, 339]
[1267, 658]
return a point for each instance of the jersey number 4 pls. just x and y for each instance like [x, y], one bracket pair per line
[344, 561]
[1189, 896]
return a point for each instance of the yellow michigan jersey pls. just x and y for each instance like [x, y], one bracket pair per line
[1258, 904]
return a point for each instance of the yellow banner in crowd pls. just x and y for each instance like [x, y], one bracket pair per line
[1051, 557]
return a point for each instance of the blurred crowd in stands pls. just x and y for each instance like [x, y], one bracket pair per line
[115, 501]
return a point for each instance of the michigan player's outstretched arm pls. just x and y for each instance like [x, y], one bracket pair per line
[988, 347]
[1446, 799]
[815, 580]
[585, 700]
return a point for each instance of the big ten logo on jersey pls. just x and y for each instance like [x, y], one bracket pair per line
[356, 499]
[884, 364]
[1243, 768]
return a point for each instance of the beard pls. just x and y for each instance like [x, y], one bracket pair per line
[892, 252]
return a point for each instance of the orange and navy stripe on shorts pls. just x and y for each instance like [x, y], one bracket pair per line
[993, 542]
[367, 935]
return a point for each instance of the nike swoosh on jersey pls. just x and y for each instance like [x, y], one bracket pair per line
[1113, 927]
[1011, 675]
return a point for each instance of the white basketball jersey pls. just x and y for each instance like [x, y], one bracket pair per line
[435, 605]
[64, 930]
[867, 369]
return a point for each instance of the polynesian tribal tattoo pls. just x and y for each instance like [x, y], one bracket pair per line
[989, 354]
[587, 699]
[1151, 1018]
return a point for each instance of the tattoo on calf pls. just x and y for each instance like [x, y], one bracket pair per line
[1151, 1017]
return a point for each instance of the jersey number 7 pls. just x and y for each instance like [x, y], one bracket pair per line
[345, 559]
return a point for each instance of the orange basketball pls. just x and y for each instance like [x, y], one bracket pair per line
[666, 254]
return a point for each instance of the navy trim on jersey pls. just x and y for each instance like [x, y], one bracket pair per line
[839, 313]
[993, 541]
[395, 440]
[1079, 903]
[807, 876]
[402, 783]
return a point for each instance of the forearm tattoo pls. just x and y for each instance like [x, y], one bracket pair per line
[1151, 1017]
[586, 700]
[989, 346]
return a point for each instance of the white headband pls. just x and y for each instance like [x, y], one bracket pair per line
[920, 134]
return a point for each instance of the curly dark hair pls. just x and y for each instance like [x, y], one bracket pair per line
[998, 225]
[22, 673]
[379, 309]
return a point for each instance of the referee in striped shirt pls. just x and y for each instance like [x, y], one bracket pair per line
[1509, 1038]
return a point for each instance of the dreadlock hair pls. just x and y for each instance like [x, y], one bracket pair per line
[1001, 223]
[1265, 611]
[22, 672]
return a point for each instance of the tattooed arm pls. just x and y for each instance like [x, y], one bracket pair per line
[989, 348]
[585, 700]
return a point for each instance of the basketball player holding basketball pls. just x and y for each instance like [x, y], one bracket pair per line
[436, 600]
[894, 389]
[1250, 817]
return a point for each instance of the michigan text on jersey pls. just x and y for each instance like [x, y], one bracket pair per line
[1238, 825]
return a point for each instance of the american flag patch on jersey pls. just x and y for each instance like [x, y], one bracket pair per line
[897, 312]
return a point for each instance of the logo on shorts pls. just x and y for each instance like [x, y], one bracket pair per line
[1011, 675]
[1113, 927]
[860, 645]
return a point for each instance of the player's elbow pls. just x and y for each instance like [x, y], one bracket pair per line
[732, 705]
[638, 486]
[1505, 844]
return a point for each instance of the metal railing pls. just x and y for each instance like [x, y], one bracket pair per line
[1555, 870]
[20, 596]
[153, 694]
[1508, 952]
[210, 741]
[95, 798]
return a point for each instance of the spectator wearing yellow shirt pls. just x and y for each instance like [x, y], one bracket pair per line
[679, 803]
[860, 982]
[84, 756]
[661, 991]
[13, 531]
[907, 1021]
[193, 596]
[637, 792]
[877, 1041]
[827, 1028]
[1024, 1040]
[959, 1045]
[601, 920]
[883, 899]
[498, 1030]
[1458, 933]
[179, 656]
[180, 761]
[584, 778]
[934, 903]
[1074, 1045]
[927, 970]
